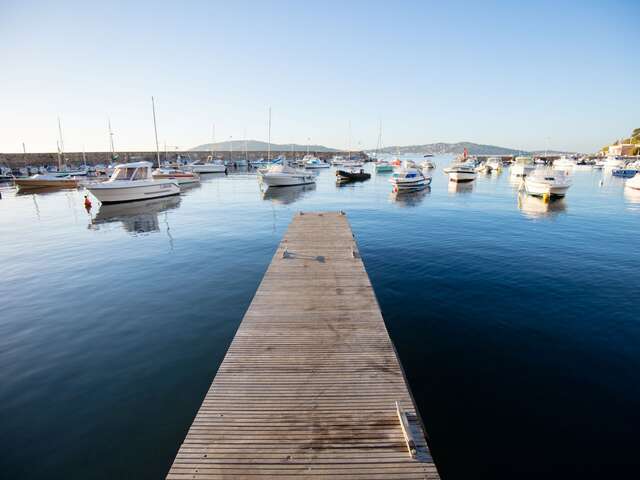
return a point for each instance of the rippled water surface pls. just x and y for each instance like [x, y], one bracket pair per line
[517, 322]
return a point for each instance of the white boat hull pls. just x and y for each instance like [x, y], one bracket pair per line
[400, 185]
[458, 176]
[286, 180]
[541, 189]
[116, 192]
[208, 168]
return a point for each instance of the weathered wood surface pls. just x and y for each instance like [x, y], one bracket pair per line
[310, 382]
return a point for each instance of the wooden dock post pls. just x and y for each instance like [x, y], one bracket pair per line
[311, 385]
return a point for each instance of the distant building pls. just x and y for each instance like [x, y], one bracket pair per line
[623, 149]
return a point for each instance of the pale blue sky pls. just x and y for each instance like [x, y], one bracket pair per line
[516, 74]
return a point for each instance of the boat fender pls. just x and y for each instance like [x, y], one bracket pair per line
[87, 202]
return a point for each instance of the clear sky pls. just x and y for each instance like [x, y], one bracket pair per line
[519, 74]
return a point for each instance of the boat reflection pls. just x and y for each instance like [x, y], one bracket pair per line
[460, 187]
[409, 199]
[211, 176]
[632, 195]
[287, 195]
[136, 217]
[535, 207]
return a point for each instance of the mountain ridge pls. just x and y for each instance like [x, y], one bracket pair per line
[259, 146]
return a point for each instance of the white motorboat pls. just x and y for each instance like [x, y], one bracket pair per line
[311, 162]
[47, 180]
[461, 172]
[5, 174]
[208, 166]
[495, 163]
[634, 182]
[522, 166]
[612, 162]
[408, 178]
[131, 182]
[547, 184]
[181, 176]
[337, 160]
[427, 165]
[285, 176]
[353, 164]
[564, 162]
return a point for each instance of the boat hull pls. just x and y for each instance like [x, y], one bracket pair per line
[412, 185]
[109, 194]
[460, 177]
[537, 189]
[34, 183]
[208, 168]
[278, 180]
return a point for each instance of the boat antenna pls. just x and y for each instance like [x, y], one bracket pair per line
[269, 135]
[155, 129]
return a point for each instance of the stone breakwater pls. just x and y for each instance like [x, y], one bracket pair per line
[17, 160]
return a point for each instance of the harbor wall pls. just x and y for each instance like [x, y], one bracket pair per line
[17, 160]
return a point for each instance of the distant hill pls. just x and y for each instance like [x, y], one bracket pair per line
[258, 146]
[455, 148]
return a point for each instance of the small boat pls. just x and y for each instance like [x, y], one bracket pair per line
[408, 178]
[427, 155]
[547, 184]
[633, 183]
[613, 162]
[522, 166]
[311, 162]
[624, 172]
[495, 163]
[207, 166]
[181, 176]
[564, 162]
[131, 182]
[285, 176]
[427, 165]
[47, 180]
[337, 160]
[461, 172]
[382, 167]
[5, 174]
[352, 176]
[352, 164]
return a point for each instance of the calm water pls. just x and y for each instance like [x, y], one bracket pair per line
[518, 324]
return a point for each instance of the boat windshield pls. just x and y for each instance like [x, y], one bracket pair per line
[130, 173]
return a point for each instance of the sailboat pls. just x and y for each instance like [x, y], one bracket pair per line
[50, 180]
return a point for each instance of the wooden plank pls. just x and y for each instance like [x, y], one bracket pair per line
[311, 385]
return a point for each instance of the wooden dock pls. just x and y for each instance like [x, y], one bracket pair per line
[310, 382]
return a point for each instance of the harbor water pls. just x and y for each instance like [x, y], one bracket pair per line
[517, 321]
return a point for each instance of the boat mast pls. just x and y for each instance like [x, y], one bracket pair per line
[155, 129]
[246, 155]
[349, 142]
[213, 138]
[84, 157]
[113, 149]
[269, 147]
[61, 146]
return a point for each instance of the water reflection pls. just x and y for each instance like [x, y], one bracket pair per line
[211, 176]
[136, 217]
[460, 187]
[535, 207]
[287, 195]
[632, 195]
[409, 199]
